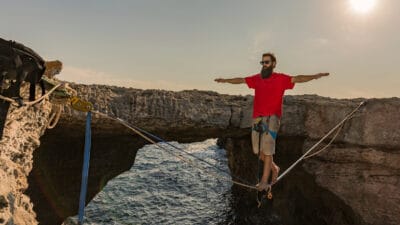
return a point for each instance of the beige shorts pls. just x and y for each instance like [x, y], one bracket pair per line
[271, 125]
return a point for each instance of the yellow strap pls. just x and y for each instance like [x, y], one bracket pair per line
[80, 105]
[257, 120]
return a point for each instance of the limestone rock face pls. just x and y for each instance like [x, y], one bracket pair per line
[172, 110]
[361, 168]
[22, 131]
[366, 179]
[357, 179]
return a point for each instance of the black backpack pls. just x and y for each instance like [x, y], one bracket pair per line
[20, 63]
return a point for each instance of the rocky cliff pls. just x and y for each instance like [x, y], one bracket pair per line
[23, 128]
[354, 182]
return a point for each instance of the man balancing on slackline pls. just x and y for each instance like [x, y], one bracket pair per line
[269, 88]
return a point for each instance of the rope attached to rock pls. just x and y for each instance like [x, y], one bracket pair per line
[55, 116]
[15, 103]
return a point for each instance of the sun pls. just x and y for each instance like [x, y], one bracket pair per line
[362, 6]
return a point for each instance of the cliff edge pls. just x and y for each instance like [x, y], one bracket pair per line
[356, 180]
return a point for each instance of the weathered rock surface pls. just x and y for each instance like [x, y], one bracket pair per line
[356, 180]
[361, 169]
[23, 128]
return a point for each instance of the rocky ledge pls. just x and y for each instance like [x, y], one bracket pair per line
[23, 128]
[354, 182]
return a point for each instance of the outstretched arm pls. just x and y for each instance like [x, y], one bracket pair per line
[238, 80]
[306, 78]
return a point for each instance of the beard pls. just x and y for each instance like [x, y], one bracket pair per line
[266, 72]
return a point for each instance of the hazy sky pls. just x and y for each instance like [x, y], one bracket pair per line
[185, 44]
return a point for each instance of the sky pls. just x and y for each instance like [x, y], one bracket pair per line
[186, 44]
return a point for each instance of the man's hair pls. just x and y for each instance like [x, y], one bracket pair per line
[271, 55]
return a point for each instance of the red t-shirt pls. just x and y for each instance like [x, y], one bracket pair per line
[268, 93]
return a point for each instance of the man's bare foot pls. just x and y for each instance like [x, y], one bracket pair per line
[262, 186]
[275, 173]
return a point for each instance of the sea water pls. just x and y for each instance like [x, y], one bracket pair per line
[161, 188]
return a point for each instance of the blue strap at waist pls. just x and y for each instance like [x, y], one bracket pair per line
[273, 134]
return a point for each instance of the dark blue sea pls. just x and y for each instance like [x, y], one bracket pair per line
[160, 188]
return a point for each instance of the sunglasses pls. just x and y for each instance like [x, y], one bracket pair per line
[265, 62]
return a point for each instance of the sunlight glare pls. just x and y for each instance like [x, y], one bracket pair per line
[362, 6]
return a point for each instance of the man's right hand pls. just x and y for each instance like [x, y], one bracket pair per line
[319, 75]
[237, 80]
